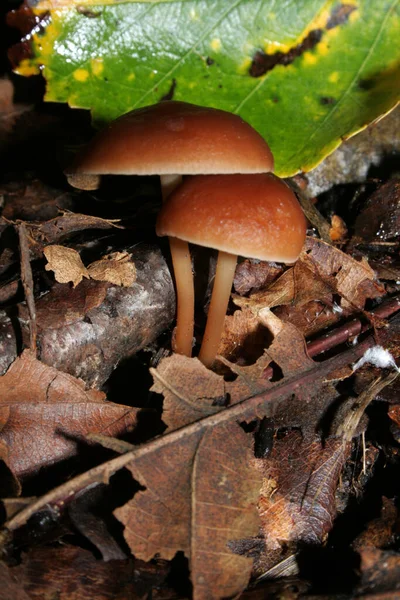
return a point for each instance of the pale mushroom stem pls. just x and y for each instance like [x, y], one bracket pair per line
[224, 275]
[182, 264]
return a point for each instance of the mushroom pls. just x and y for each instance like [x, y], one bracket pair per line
[256, 216]
[172, 139]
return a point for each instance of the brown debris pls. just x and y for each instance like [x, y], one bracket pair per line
[379, 219]
[66, 264]
[74, 573]
[116, 268]
[87, 330]
[338, 230]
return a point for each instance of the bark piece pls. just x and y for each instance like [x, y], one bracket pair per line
[73, 573]
[88, 330]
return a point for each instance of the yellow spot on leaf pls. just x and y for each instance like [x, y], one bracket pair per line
[244, 66]
[216, 44]
[81, 75]
[323, 48]
[353, 16]
[334, 77]
[131, 76]
[309, 58]
[27, 68]
[97, 66]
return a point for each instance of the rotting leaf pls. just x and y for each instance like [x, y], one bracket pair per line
[66, 264]
[42, 410]
[199, 496]
[116, 268]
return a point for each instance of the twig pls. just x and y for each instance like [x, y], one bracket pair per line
[348, 428]
[355, 327]
[242, 411]
[27, 283]
[311, 212]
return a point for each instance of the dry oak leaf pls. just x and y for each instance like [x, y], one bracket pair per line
[43, 411]
[116, 268]
[66, 264]
[201, 494]
[192, 392]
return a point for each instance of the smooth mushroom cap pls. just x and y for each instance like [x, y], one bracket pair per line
[256, 216]
[174, 138]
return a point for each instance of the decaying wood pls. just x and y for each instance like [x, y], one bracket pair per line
[86, 331]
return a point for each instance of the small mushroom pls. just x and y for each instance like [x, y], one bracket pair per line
[172, 139]
[256, 216]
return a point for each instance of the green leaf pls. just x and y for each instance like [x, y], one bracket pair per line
[304, 73]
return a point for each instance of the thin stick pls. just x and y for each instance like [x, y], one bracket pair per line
[183, 280]
[224, 275]
[27, 283]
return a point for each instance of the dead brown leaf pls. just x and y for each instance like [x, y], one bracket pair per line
[199, 496]
[251, 275]
[190, 390]
[297, 286]
[354, 280]
[243, 337]
[297, 502]
[66, 224]
[304, 294]
[66, 264]
[116, 268]
[42, 410]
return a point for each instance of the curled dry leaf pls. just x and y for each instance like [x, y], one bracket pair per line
[116, 268]
[42, 410]
[66, 264]
[354, 280]
[304, 294]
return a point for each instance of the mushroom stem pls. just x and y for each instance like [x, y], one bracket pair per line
[224, 275]
[182, 265]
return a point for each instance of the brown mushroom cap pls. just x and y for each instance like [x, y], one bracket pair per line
[257, 216]
[174, 138]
